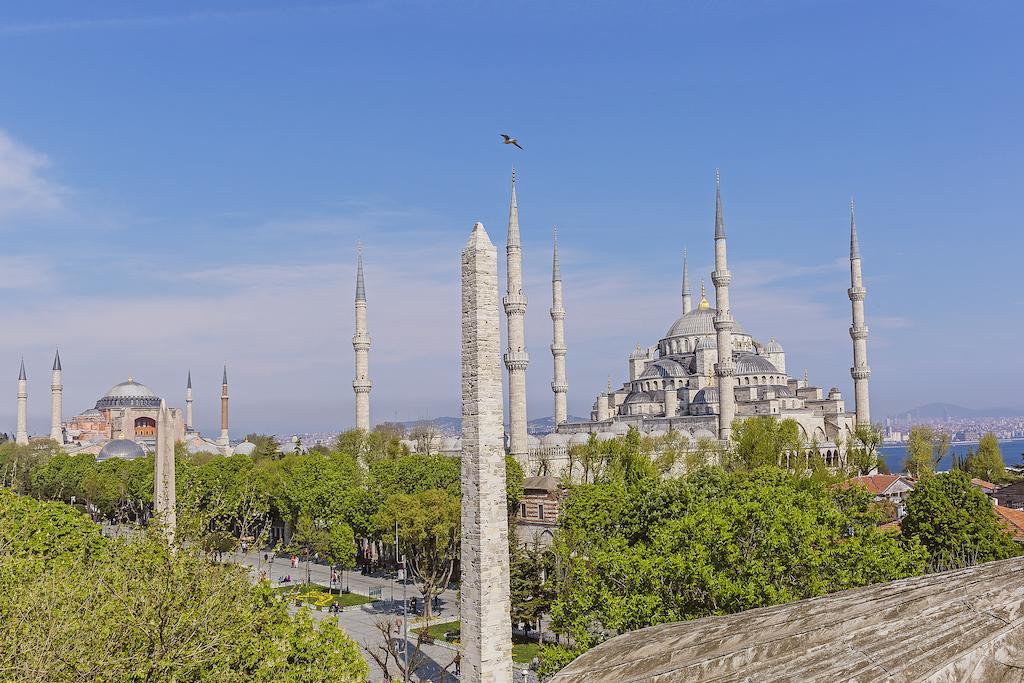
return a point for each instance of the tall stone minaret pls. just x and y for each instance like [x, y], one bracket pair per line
[56, 402]
[858, 330]
[516, 358]
[558, 348]
[224, 441]
[484, 597]
[188, 403]
[361, 343]
[687, 306]
[164, 498]
[21, 435]
[724, 324]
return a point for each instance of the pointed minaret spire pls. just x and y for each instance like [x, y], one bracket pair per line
[516, 357]
[724, 368]
[859, 329]
[188, 403]
[558, 349]
[56, 402]
[361, 384]
[719, 220]
[21, 434]
[225, 440]
[686, 284]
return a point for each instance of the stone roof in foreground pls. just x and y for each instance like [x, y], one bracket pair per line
[963, 625]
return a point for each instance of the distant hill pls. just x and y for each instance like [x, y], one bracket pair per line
[452, 426]
[945, 411]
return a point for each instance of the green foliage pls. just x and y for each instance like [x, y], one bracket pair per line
[713, 543]
[926, 447]
[532, 588]
[760, 441]
[862, 453]
[77, 606]
[955, 522]
[514, 479]
[987, 463]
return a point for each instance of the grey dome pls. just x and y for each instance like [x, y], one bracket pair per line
[579, 438]
[750, 364]
[641, 397]
[706, 395]
[121, 448]
[707, 343]
[773, 346]
[129, 394]
[554, 440]
[699, 321]
[244, 448]
[665, 368]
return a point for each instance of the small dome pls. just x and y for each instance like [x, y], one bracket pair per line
[121, 448]
[203, 446]
[606, 436]
[640, 397]
[706, 395]
[706, 343]
[657, 433]
[579, 438]
[750, 364]
[664, 368]
[244, 448]
[773, 346]
[553, 440]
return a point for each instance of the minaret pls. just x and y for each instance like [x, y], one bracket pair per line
[724, 324]
[164, 499]
[558, 349]
[858, 330]
[56, 401]
[21, 435]
[484, 596]
[224, 441]
[686, 285]
[188, 403]
[516, 358]
[361, 343]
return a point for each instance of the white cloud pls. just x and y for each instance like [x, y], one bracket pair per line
[24, 190]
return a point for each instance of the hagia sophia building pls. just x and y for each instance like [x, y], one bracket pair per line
[123, 421]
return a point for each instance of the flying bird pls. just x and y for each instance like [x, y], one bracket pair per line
[510, 140]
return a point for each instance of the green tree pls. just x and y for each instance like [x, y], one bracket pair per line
[862, 453]
[955, 522]
[513, 485]
[922, 443]
[987, 463]
[428, 534]
[764, 440]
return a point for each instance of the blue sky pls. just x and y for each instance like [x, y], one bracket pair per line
[184, 183]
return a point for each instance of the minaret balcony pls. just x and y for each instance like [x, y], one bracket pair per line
[516, 360]
[862, 372]
[857, 293]
[721, 278]
[559, 387]
[558, 349]
[558, 314]
[724, 369]
[362, 386]
[515, 304]
[858, 332]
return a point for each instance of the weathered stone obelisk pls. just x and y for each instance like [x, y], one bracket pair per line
[164, 499]
[485, 604]
[21, 435]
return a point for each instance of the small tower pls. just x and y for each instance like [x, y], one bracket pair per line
[686, 285]
[361, 385]
[559, 385]
[516, 357]
[21, 435]
[858, 330]
[724, 324]
[56, 402]
[188, 403]
[224, 441]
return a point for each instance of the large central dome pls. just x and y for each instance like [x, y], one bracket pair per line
[698, 322]
[129, 394]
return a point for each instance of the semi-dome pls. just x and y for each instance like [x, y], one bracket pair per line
[129, 394]
[706, 395]
[706, 343]
[244, 448]
[750, 364]
[579, 438]
[121, 448]
[665, 368]
[699, 321]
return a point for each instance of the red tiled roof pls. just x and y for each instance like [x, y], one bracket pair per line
[875, 483]
[1012, 520]
[982, 484]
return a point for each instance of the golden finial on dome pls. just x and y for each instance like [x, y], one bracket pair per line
[703, 305]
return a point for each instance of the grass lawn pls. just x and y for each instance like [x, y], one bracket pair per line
[523, 649]
[318, 596]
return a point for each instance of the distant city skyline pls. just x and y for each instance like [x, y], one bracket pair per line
[180, 188]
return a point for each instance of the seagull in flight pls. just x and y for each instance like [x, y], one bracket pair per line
[510, 140]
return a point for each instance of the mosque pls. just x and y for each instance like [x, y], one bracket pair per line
[681, 384]
[123, 422]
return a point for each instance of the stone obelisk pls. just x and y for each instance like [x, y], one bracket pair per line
[485, 603]
[164, 499]
[57, 402]
[21, 435]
